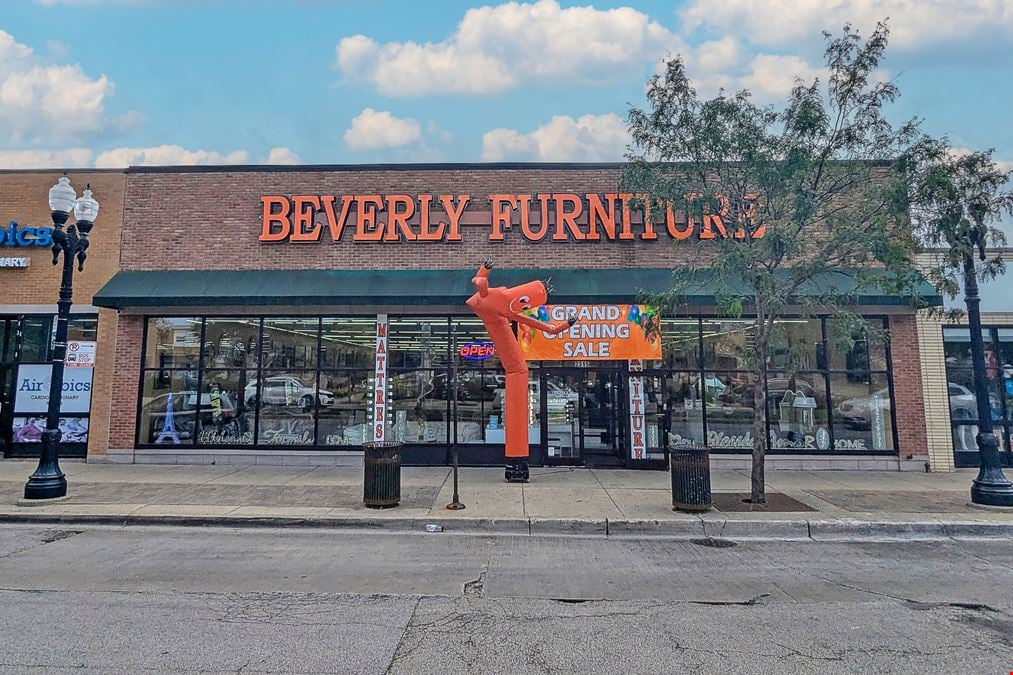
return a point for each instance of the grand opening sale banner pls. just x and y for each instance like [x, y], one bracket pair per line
[601, 333]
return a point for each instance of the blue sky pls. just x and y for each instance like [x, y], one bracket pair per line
[118, 82]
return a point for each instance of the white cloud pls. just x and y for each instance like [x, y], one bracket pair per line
[912, 23]
[726, 64]
[282, 156]
[770, 76]
[1002, 164]
[40, 101]
[374, 129]
[497, 48]
[45, 159]
[166, 155]
[590, 138]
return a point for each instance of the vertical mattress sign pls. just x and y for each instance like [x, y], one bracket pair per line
[638, 438]
[380, 380]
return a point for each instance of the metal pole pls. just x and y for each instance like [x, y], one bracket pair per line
[48, 481]
[455, 504]
[991, 487]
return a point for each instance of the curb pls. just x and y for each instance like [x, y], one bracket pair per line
[691, 527]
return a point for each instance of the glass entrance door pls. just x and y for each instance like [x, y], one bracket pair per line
[8, 330]
[583, 415]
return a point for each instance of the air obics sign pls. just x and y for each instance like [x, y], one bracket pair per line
[498, 217]
[21, 237]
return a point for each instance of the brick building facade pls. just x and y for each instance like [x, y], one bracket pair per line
[231, 329]
[246, 330]
[28, 303]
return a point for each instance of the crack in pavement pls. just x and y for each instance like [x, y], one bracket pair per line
[398, 655]
[48, 537]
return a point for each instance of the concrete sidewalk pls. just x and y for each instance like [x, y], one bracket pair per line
[802, 504]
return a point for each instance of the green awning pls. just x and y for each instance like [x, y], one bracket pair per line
[223, 288]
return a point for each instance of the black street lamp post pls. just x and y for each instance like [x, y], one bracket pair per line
[990, 487]
[48, 481]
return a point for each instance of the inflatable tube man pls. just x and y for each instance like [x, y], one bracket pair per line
[497, 307]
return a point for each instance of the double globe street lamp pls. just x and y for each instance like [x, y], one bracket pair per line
[990, 487]
[48, 482]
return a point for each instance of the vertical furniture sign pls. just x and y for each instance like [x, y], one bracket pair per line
[638, 437]
[380, 380]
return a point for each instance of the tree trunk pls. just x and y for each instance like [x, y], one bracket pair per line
[757, 487]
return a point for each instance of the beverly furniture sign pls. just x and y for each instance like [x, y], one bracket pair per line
[601, 333]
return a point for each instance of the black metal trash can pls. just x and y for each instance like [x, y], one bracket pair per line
[691, 478]
[381, 474]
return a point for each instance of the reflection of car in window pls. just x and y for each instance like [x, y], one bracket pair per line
[857, 412]
[741, 396]
[286, 391]
[964, 404]
[184, 414]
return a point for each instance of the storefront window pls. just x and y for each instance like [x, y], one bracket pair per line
[224, 417]
[796, 344]
[965, 437]
[291, 343]
[288, 403]
[685, 407]
[419, 342]
[419, 406]
[727, 345]
[36, 338]
[998, 344]
[230, 343]
[168, 408]
[312, 385]
[797, 412]
[473, 344]
[957, 347]
[347, 342]
[1005, 374]
[172, 342]
[863, 414]
[346, 421]
[680, 343]
[730, 417]
[858, 350]
[257, 382]
[479, 405]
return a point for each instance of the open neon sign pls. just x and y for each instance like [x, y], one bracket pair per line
[477, 351]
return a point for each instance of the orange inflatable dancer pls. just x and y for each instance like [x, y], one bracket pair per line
[497, 307]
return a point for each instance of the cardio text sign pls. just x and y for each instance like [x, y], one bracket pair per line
[445, 218]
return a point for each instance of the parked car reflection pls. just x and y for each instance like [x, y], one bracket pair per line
[184, 415]
[285, 390]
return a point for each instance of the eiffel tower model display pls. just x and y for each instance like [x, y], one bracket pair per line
[169, 426]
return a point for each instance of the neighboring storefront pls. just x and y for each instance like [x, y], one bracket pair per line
[288, 314]
[29, 284]
[950, 401]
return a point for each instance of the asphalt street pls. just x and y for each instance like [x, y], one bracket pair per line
[164, 599]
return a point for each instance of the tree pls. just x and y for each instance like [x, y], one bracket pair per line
[955, 201]
[806, 199]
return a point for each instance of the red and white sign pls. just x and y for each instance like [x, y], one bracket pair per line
[638, 431]
[380, 380]
[80, 354]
